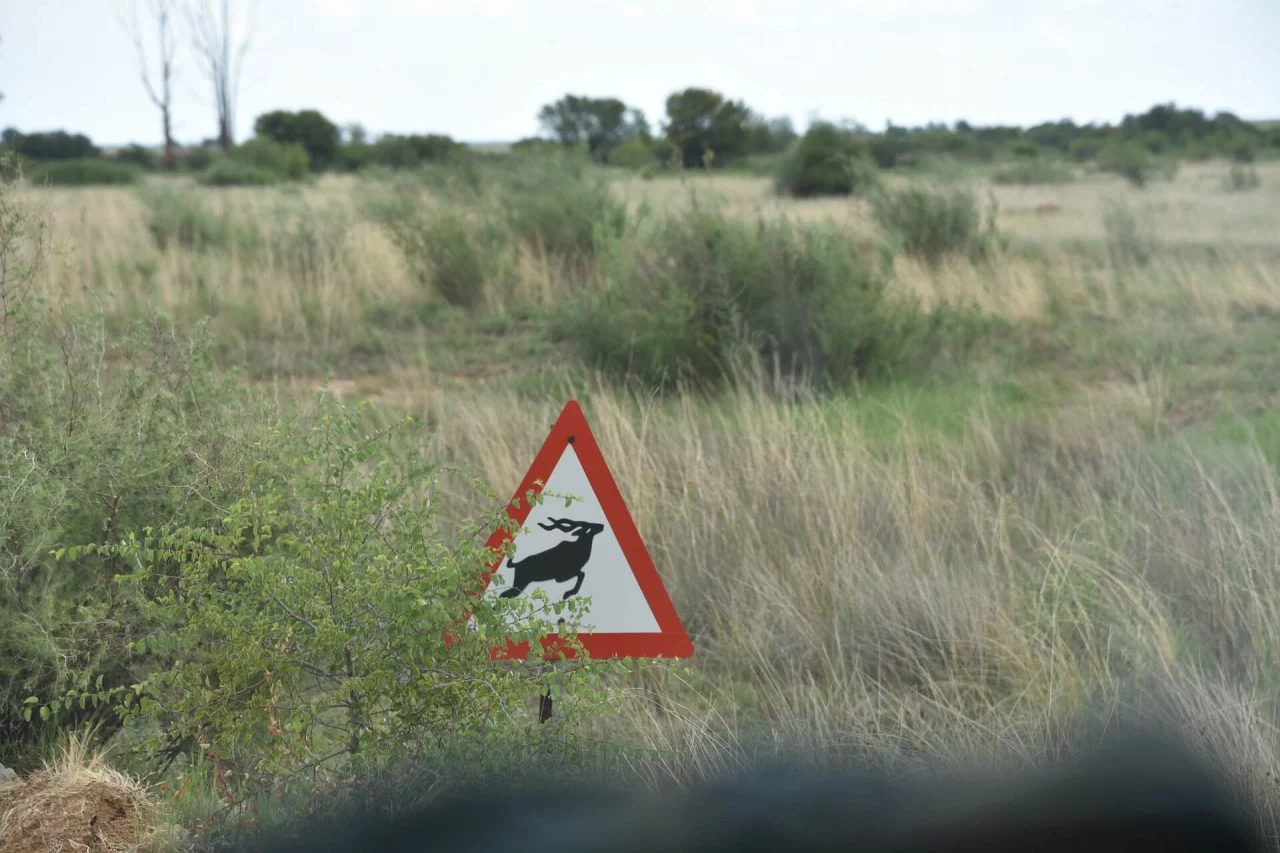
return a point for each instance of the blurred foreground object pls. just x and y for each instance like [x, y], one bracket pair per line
[1143, 792]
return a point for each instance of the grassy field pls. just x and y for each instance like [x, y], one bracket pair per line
[1081, 520]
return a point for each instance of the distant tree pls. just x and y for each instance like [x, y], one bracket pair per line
[54, 145]
[320, 137]
[1054, 134]
[222, 57]
[769, 136]
[9, 138]
[355, 150]
[355, 134]
[139, 156]
[158, 85]
[634, 153]
[405, 152]
[701, 120]
[827, 161]
[598, 123]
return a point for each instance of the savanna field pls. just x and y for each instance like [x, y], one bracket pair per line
[951, 469]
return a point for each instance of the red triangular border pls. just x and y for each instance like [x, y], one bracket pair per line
[671, 640]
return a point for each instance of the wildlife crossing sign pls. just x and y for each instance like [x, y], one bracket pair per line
[580, 541]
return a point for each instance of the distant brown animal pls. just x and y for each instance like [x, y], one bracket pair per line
[1047, 207]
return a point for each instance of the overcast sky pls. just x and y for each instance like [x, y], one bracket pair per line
[480, 69]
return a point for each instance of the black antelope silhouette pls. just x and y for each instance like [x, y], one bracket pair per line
[558, 563]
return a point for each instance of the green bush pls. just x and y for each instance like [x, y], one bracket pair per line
[1241, 178]
[1033, 172]
[1024, 149]
[1243, 151]
[183, 217]
[229, 172]
[699, 294]
[667, 155]
[632, 153]
[452, 255]
[1084, 149]
[557, 203]
[1128, 243]
[1156, 142]
[140, 156]
[100, 434]
[83, 173]
[827, 161]
[1129, 160]
[409, 152]
[288, 161]
[319, 137]
[933, 223]
[196, 159]
[316, 625]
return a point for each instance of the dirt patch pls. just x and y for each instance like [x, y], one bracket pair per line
[62, 813]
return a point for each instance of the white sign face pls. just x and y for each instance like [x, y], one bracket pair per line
[566, 549]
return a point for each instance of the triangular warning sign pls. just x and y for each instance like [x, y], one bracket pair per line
[589, 547]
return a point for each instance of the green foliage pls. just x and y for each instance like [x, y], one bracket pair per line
[453, 254]
[317, 625]
[98, 435]
[1129, 160]
[140, 156]
[827, 161]
[464, 234]
[1032, 172]
[409, 152]
[633, 153]
[230, 172]
[892, 149]
[184, 218]
[700, 120]
[1157, 143]
[1244, 151]
[700, 294]
[1085, 149]
[1128, 243]
[559, 205]
[1241, 178]
[83, 173]
[598, 124]
[288, 162]
[196, 159]
[667, 155]
[318, 136]
[1024, 149]
[769, 136]
[933, 223]
[51, 145]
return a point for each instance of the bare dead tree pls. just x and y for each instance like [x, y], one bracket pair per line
[221, 57]
[162, 13]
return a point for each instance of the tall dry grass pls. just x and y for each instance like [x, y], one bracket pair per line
[109, 260]
[934, 598]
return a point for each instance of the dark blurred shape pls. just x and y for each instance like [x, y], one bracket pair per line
[1143, 792]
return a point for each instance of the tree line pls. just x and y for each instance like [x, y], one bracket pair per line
[702, 128]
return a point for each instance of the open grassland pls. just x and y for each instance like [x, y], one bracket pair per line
[1081, 515]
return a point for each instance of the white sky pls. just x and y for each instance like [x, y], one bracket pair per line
[480, 69]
